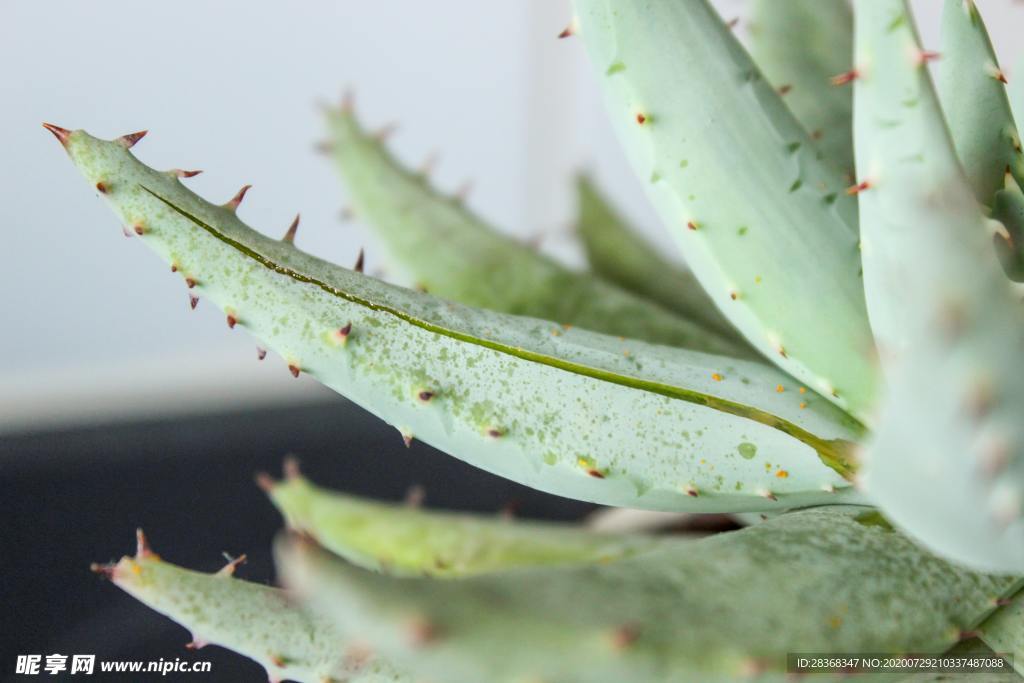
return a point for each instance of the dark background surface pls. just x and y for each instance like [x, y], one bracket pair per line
[74, 497]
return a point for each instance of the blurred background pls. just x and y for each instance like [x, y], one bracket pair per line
[121, 407]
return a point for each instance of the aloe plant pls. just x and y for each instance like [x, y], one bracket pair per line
[854, 349]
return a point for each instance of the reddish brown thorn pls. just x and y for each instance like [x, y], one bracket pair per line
[185, 174]
[291, 468]
[691, 491]
[142, 548]
[232, 565]
[425, 395]
[232, 321]
[595, 473]
[102, 187]
[174, 267]
[998, 74]
[292, 229]
[360, 262]
[816, 134]
[769, 495]
[624, 636]
[190, 283]
[348, 100]
[343, 333]
[407, 439]
[692, 225]
[734, 295]
[925, 56]
[196, 645]
[128, 141]
[566, 32]
[139, 230]
[859, 187]
[237, 199]
[61, 134]
[967, 635]
[104, 570]
[278, 661]
[1002, 602]
[495, 432]
[294, 369]
[845, 77]
[782, 352]
[384, 133]
[265, 482]
[261, 353]
[193, 301]
[784, 89]
[641, 118]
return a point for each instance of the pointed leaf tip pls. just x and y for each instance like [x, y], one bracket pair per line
[61, 134]
[128, 141]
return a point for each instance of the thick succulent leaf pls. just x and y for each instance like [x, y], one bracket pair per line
[712, 609]
[1008, 209]
[947, 462]
[405, 541]
[618, 253]
[800, 45]
[972, 91]
[763, 221]
[572, 412]
[1004, 631]
[444, 248]
[906, 160]
[257, 621]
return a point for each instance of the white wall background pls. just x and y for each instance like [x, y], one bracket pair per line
[94, 326]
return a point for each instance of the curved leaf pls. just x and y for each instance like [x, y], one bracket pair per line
[947, 461]
[567, 411]
[254, 620]
[404, 541]
[762, 219]
[707, 610]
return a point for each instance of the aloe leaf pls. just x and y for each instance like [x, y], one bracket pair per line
[620, 255]
[906, 160]
[404, 541]
[945, 462]
[972, 91]
[257, 621]
[444, 248]
[572, 412]
[706, 610]
[800, 45]
[762, 220]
